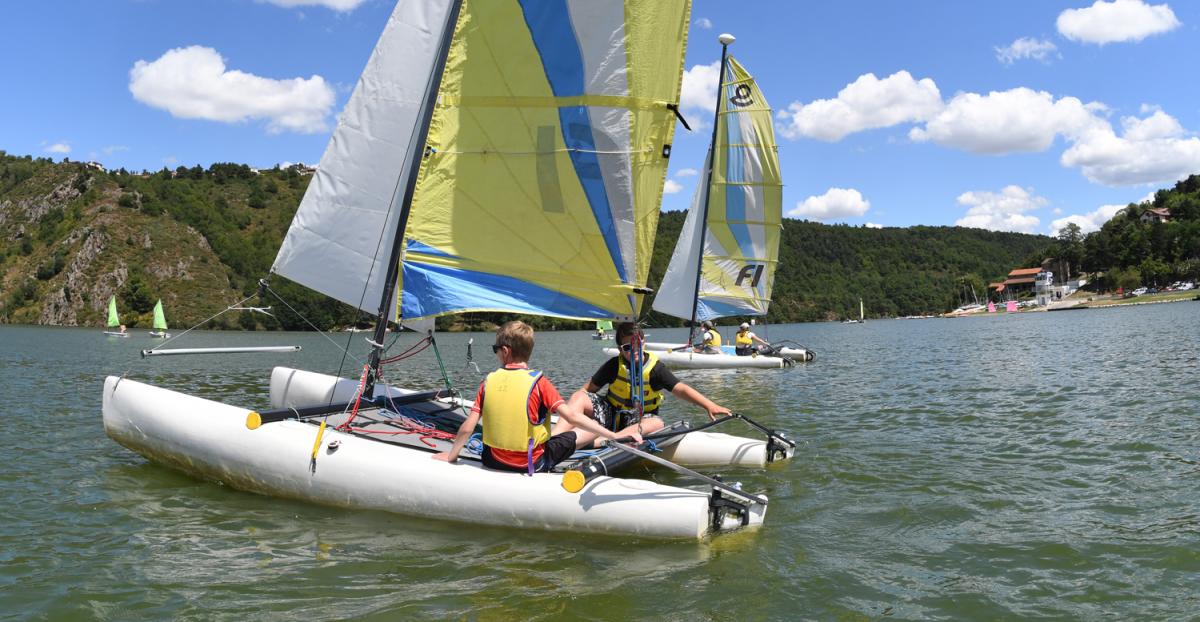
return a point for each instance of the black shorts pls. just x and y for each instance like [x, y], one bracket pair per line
[558, 448]
[745, 350]
[606, 414]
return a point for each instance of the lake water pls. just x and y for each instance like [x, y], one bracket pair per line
[1033, 465]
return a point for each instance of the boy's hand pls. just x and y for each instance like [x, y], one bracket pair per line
[445, 457]
[637, 437]
[714, 411]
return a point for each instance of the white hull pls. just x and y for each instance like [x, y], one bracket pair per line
[115, 334]
[210, 440]
[685, 358]
[164, 334]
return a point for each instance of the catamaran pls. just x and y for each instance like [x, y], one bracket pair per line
[115, 328]
[495, 156]
[724, 262]
[603, 330]
[160, 322]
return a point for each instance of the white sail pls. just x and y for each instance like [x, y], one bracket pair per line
[339, 237]
[677, 292]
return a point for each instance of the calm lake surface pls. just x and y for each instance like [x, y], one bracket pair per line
[1035, 465]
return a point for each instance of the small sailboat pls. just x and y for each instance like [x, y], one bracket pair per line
[115, 327]
[862, 317]
[160, 322]
[512, 154]
[724, 262]
[603, 330]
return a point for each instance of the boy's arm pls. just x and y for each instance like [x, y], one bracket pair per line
[464, 434]
[588, 424]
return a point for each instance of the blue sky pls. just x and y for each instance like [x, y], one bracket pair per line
[1008, 115]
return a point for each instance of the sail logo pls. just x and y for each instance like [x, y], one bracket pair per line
[753, 272]
[741, 96]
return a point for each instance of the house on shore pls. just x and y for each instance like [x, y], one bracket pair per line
[1156, 214]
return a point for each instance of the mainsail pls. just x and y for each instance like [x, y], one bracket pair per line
[160, 319]
[113, 320]
[541, 172]
[736, 248]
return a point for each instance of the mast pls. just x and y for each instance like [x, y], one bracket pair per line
[726, 40]
[416, 153]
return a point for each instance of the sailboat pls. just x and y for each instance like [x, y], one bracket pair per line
[495, 156]
[724, 262]
[115, 328]
[603, 330]
[160, 322]
[862, 317]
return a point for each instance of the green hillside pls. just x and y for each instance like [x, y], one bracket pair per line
[71, 236]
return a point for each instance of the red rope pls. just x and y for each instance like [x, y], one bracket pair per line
[362, 383]
[426, 433]
[413, 350]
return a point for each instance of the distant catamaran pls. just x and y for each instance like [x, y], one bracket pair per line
[160, 321]
[115, 328]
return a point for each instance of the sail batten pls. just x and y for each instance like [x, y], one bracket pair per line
[736, 249]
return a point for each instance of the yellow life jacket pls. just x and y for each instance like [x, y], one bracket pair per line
[506, 423]
[743, 339]
[712, 338]
[620, 390]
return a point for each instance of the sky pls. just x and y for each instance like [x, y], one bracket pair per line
[1013, 115]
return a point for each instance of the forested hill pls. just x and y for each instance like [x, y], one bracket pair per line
[825, 269]
[72, 236]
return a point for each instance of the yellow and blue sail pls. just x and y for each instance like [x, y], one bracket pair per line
[542, 174]
[736, 248]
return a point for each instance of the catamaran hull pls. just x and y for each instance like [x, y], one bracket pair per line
[798, 355]
[210, 440]
[687, 359]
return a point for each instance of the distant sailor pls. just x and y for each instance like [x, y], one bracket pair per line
[615, 409]
[515, 403]
[743, 341]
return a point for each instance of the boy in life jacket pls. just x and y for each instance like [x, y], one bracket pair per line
[711, 339]
[743, 341]
[515, 403]
[614, 409]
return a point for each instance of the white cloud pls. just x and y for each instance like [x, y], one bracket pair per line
[59, 148]
[193, 83]
[1000, 211]
[672, 187]
[1091, 221]
[170, 160]
[864, 104]
[1017, 120]
[1026, 47]
[698, 96]
[703, 23]
[872, 225]
[1116, 21]
[336, 5]
[687, 172]
[1154, 149]
[111, 149]
[835, 203]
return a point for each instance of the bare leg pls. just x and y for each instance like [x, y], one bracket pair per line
[649, 424]
[580, 403]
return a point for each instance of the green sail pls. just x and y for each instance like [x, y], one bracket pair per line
[160, 320]
[604, 325]
[113, 320]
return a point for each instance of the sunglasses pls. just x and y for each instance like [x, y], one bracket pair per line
[496, 348]
[627, 347]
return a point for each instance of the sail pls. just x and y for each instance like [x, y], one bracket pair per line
[542, 169]
[604, 325]
[540, 184]
[113, 320]
[744, 200]
[337, 243]
[160, 319]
